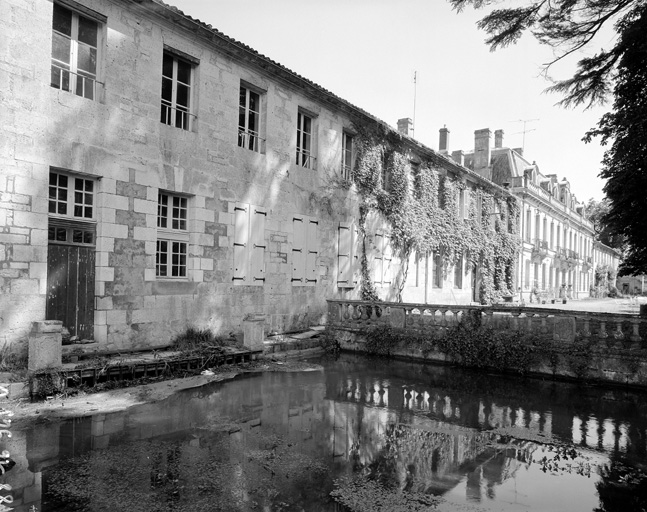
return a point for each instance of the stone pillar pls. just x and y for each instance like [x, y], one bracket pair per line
[254, 332]
[45, 345]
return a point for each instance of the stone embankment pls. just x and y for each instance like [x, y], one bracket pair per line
[603, 347]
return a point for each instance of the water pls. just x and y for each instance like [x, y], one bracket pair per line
[279, 441]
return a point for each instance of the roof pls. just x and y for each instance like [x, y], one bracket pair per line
[235, 48]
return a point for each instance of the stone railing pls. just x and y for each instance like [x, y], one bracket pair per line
[604, 330]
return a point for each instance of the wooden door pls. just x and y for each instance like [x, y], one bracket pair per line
[70, 288]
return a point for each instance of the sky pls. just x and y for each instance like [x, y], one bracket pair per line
[367, 51]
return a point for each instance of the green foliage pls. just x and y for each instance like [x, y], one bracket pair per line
[194, 341]
[383, 340]
[484, 347]
[422, 209]
[47, 382]
[329, 343]
[579, 358]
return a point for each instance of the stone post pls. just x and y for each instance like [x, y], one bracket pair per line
[45, 345]
[254, 332]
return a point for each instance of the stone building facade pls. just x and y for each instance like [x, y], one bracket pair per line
[156, 174]
[559, 253]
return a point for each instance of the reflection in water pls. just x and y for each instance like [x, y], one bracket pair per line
[278, 441]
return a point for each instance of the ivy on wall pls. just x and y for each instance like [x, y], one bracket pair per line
[421, 206]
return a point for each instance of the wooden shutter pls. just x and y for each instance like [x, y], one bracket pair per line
[241, 239]
[298, 250]
[312, 251]
[257, 244]
[345, 255]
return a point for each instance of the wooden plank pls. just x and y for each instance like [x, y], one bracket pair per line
[85, 294]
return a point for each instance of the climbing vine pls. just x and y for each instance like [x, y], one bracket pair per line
[422, 207]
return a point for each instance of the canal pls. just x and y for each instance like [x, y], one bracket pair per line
[378, 433]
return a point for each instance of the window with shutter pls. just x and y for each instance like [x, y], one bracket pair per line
[378, 269]
[249, 244]
[305, 249]
[387, 258]
[345, 256]
[298, 250]
[312, 245]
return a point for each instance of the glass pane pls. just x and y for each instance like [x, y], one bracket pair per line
[182, 120]
[167, 89]
[52, 192]
[89, 185]
[78, 184]
[51, 232]
[52, 178]
[87, 237]
[253, 122]
[78, 210]
[88, 30]
[183, 72]
[62, 194]
[167, 66]
[62, 20]
[62, 209]
[61, 48]
[62, 180]
[78, 197]
[165, 116]
[307, 124]
[88, 198]
[253, 101]
[242, 97]
[87, 59]
[56, 77]
[88, 212]
[241, 118]
[77, 236]
[182, 96]
[61, 234]
[52, 207]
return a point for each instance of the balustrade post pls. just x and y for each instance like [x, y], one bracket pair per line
[618, 335]
[635, 334]
[515, 320]
[602, 334]
[544, 327]
[586, 332]
[489, 318]
[529, 321]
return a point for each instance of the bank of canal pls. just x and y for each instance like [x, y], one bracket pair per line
[408, 435]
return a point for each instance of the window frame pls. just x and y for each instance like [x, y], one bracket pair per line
[347, 156]
[70, 195]
[306, 141]
[169, 109]
[247, 137]
[72, 67]
[172, 236]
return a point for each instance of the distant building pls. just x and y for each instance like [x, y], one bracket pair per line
[559, 252]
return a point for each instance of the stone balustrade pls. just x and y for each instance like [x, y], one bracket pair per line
[603, 330]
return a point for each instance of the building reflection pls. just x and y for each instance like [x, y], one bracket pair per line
[421, 434]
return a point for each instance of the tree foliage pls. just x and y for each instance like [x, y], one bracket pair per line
[596, 212]
[620, 69]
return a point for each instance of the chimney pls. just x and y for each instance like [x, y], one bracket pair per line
[483, 152]
[405, 126]
[498, 139]
[443, 143]
[459, 157]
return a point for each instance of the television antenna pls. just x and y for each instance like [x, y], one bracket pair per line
[525, 130]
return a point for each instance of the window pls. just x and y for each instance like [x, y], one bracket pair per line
[172, 236]
[176, 91]
[74, 52]
[249, 244]
[305, 249]
[458, 273]
[346, 155]
[249, 120]
[437, 269]
[347, 255]
[71, 209]
[382, 272]
[304, 141]
[71, 196]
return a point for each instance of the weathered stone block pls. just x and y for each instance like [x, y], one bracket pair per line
[564, 329]
[254, 332]
[45, 345]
